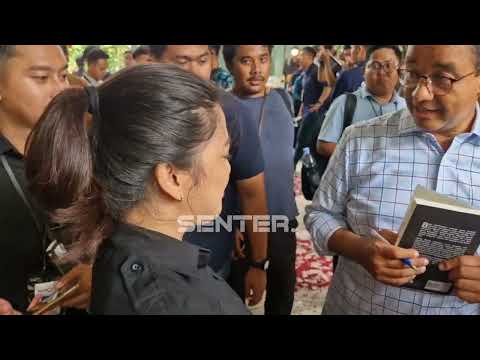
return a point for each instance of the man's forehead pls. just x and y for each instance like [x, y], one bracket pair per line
[252, 50]
[40, 56]
[440, 56]
[192, 51]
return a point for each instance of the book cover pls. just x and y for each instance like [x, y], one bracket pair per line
[439, 231]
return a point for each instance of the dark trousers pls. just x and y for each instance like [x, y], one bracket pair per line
[281, 275]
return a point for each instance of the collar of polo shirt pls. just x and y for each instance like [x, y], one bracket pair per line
[364, 93]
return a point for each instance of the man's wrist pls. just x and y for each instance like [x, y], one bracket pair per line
[260, 265]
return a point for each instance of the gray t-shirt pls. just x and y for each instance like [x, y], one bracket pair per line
[276, 140]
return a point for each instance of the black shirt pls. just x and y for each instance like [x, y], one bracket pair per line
[312, 88]
[21, 251]
[142, 272]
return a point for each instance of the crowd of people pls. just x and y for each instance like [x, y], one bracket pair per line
[142, 190]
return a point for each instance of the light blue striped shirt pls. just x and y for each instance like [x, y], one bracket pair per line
[368, 184]
[367, 108]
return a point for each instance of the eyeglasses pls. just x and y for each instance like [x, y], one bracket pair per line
[436, 84]
[377, 66]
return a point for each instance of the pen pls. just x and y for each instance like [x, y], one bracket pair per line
[406, 262]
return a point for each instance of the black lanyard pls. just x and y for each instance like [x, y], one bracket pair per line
[381, 107]
[41, 230]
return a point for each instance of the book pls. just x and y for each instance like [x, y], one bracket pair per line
[439, 228]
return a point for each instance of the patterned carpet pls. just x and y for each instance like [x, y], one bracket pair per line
[314, 272]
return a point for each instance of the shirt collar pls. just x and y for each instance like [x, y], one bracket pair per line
[407, 123]
[178, 255]
[6, 146]
[364, 93]
[90, 80]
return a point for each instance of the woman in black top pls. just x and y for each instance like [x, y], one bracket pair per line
[154, 151]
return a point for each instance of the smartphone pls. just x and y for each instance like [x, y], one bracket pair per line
[44, 308]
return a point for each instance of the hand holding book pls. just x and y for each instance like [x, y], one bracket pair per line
[464, 272]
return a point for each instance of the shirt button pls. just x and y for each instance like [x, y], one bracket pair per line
[137, 267]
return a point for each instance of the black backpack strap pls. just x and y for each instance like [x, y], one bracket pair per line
[286, 99]
[19, 191]
[350, 107]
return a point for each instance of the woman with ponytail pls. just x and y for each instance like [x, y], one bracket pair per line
[116, 167]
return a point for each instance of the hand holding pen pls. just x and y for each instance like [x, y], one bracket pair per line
[385, 262]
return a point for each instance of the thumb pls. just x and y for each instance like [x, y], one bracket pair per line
[5, 307]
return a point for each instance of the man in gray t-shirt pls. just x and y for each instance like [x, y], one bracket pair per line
[250, 66]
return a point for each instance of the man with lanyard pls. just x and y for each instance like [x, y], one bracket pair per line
[30, 76]
[376, 97]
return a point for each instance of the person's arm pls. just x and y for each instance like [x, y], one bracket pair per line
[326, 221]
[247, 173]
[332, 128]
[253, 201]
[325, 149]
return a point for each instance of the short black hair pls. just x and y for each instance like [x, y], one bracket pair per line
[310, 50]
[476, 54]
[215, 48]
[229, 52]
[65, 50]
[141, 50]
[157, 51]
[347, 47]
[6, 52]
[95, 55]
[372, 48]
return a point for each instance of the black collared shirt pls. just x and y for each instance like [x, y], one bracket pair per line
[142, 272]
[21, 253]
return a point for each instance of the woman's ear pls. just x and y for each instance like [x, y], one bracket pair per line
[169, 180]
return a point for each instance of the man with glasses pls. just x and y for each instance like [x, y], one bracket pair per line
[376, 97]
[374, 170]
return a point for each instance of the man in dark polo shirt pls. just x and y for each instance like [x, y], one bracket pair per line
[313, 90]
[350, 80]
[246, 179]
[30, 76]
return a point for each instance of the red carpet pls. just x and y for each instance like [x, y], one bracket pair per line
[313, 272]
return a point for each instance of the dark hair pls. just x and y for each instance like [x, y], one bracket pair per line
[141, 50]
[6, 52]
[229, 52]
[347, 47]
[328, 47]
[65, 50]
[372, 48]
[476, 54]
[215, 48]
[310, 50]
[88, 174]
[95, 55]
[157, 51]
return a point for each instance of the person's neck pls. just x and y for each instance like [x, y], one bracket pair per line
[382, 100]
[91, 76]
[168, 227]
[445, 138]
[305, 68]
[17, 136]
[243, 94]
